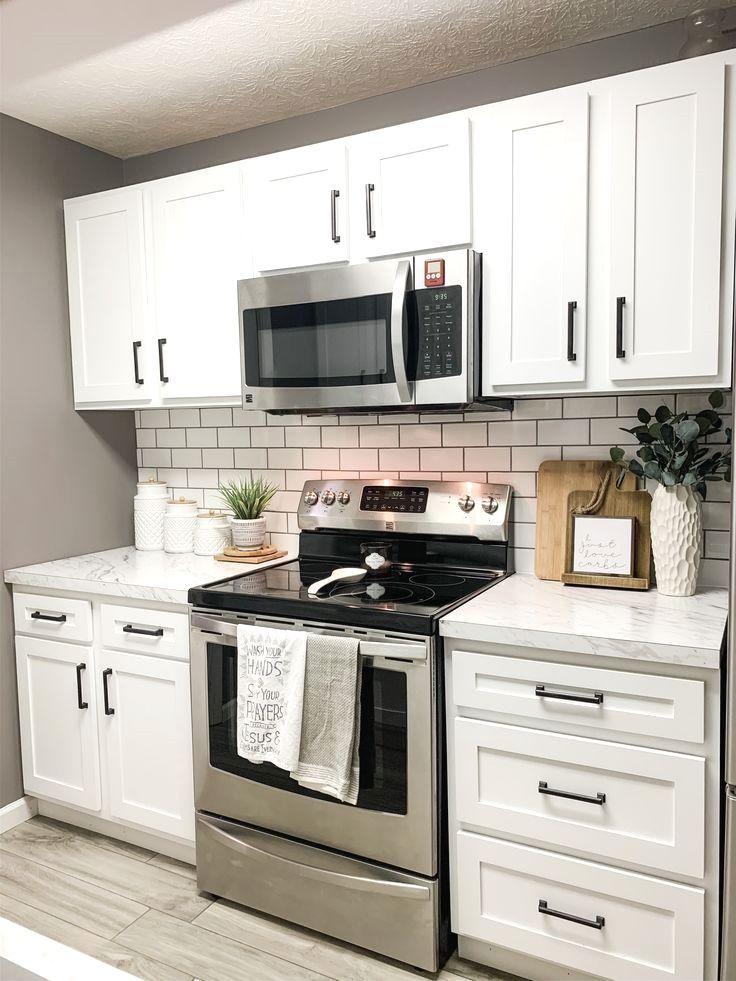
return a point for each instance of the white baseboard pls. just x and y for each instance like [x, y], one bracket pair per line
[181, 850]
[17, 812]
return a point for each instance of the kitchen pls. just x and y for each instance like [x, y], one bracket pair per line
[424, 321]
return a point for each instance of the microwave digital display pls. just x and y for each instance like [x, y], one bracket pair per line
[396, 499]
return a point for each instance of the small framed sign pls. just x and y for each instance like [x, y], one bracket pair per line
[603, 546]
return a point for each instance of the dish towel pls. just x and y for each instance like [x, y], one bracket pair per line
[270, 694]
[328, 758]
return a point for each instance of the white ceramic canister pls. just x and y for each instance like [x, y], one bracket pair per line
[149, 507]
[179, 521]
[211, 533]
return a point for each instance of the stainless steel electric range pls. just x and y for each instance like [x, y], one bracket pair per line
[373, 874]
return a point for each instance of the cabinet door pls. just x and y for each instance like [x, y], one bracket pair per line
[296, 207]
[58, 721]
[107, 299]
[146, 739]
[531, 224]
[666, 177]
[414, 182]
[198, 256]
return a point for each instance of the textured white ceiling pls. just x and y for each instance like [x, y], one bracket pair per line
[256, 61]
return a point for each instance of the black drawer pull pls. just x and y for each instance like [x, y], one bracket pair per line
[161, 375]
[156, 632]
[80, 702]
[568, 795]
[138, 379]
[597, 924]
[105, 675]
[334, 195]
[595, 699]
[620, 303]
[37, 615]
[370, 230]
[571, 308]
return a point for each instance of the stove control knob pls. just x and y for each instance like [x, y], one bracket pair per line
[466, 503]
[328, 497]
[311, 497]
[343, 497]
[489, 504]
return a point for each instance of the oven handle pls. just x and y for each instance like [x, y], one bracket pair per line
[400, 890]
[402, 285]
[368, 648]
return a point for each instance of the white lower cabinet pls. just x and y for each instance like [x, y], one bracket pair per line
[58, 721]
[146, 741]
[104, 730]
[608, 922]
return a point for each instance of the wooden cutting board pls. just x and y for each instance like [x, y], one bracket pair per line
[556, 480]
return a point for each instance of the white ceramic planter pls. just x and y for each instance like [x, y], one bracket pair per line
[248, 533]
[676, 526]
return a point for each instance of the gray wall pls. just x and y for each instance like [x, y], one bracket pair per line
[66, 478]
[598, 59]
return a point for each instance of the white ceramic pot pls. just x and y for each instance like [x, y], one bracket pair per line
[149, 507]
[676, 526]
[152, 489]
[248, 534]
[211, 533]
[179, 521]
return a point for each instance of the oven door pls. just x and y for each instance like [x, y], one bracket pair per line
[337, 338]
[395, 818]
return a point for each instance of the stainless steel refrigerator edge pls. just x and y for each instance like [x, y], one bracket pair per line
[728, 916]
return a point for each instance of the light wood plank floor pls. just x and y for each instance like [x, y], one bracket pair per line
[142, 913]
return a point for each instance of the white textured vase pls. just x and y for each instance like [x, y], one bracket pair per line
[248, 533]
[676, 527]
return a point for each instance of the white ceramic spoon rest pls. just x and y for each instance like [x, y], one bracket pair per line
[338, 575]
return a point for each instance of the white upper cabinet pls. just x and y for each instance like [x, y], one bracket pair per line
[666, 187]
[297, 207]
[410, 188]
[530, 158]
[107, 297]
[197, 255]
[58, 721]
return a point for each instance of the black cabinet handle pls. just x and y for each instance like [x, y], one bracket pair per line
[80, 703]
[334, 195]
[571, 308]
[156, 632]
[105, 675]
[568, 795]
[37, 615]
[620, 304]
[138, 379]
[161, 375]
[595, 699]
[597, 924]
[369, 188]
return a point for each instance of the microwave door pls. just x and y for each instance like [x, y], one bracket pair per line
[327, 340]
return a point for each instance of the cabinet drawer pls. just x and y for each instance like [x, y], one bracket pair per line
[613, 701]
[128, 628]
[55, 617]
[640, 806]
[648, 928]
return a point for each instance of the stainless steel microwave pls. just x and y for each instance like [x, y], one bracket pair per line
[400, 333]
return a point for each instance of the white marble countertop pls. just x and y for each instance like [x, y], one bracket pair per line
[136, 575]
[526, 611]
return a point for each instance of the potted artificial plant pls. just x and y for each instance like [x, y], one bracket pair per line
[248, 499]
[671, 451]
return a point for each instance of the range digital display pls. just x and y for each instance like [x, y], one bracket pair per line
[411, 500]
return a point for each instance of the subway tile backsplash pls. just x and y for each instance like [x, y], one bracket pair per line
[195, 450]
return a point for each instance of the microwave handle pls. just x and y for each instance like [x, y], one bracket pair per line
[402, 285]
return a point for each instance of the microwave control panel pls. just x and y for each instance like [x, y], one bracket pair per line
[439, 315]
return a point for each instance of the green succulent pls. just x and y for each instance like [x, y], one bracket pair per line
[248, 499]
[671, 451]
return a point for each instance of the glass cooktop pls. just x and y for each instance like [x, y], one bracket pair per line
[406, 597]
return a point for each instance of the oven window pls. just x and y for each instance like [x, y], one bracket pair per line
[305, 345]
[383, 734]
